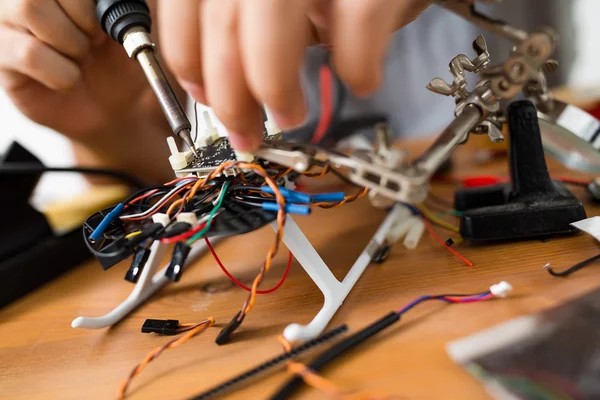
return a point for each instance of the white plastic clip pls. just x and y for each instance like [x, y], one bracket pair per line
[178, 159]
[501, 289]
[270, 124]
[189, 218]
[414, 234]
[211, 134]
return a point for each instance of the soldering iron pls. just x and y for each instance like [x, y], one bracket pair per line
[128, 23]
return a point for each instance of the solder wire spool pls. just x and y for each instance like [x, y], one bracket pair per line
[572, 136]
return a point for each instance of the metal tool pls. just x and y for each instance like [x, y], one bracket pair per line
[128, 23]
[477, 111]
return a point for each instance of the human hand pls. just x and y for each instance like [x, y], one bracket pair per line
[235, 55]
[62, 71]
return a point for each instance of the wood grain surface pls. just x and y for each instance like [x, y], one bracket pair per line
[42, 357]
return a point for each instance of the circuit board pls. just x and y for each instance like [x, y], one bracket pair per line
[210, 157]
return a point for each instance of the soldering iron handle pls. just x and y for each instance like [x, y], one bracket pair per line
[116, 17]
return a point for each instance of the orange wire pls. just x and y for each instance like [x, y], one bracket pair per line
[200, 327]
[440, 241]
[314, 380]
[173, 206]
[318, 382]
[320, 174]
[347, 199]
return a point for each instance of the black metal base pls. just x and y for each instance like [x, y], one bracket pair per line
[532, 205]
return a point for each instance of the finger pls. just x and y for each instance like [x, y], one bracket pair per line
[361, 36]
[226, 88]
[273, 35]
[23, 54]
[49, 23]
[179, 28]
[83, 14]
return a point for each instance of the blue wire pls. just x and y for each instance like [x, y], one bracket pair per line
[422, 299]
[105, 223]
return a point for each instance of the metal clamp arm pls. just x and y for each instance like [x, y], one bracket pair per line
[466, 9]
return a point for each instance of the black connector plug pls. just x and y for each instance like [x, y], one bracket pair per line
[149, 231]
[175, 268]
[161, 326]
[382, 254]
[137, 264]
[226, 332]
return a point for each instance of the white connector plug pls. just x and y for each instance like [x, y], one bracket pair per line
[244, 157]
[270, 125]
[399, 230]
[188, 218]
[161, 218]
[178, 159]
[414, 235]
[501, 289]
[211, 134]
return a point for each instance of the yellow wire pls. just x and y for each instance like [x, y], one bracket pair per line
[132, 234]
[427, 213]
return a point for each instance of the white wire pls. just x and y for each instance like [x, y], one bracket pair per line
[154, 207]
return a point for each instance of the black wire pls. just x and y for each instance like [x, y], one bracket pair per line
[349, 343]
[220, 389]
[574, 268]
[16, 168]
[99, 253]
[335, 351]
[250, 197]
[249, 203]
[196, 123]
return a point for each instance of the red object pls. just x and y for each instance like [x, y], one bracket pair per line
[468, 300]
[480, 181]
[440, 241]
[183, 236]
[240, 284]
[326, 88]
[596, 111]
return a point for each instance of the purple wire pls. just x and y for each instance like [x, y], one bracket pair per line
[440, 298]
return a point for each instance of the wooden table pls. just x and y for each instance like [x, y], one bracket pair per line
[43, 357]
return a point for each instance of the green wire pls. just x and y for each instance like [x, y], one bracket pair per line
[451, 212]
[210, 216]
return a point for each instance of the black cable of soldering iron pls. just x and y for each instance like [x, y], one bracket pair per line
[15, 168]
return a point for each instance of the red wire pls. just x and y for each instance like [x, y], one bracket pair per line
[155, 190]
[326, 89]
[440, 241]
[468, 299]
[183, 236]
[486, 180]
[142, 197]
[574, 181]
[240, 284]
